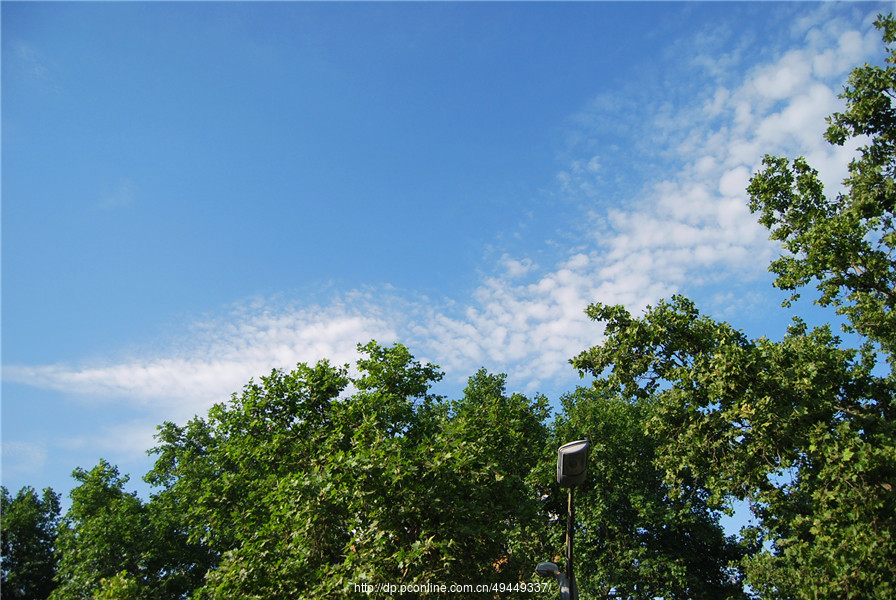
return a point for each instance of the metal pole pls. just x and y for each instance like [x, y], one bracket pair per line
[564, 586]
[570, 531]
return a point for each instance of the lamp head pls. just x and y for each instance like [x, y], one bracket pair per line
[572, 463]
[547, 569]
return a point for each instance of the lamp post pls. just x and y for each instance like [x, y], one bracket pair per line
[572, 466]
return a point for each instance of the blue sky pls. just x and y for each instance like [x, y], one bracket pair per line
[196, 193]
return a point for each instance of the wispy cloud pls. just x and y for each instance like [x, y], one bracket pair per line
[685, 226]
[215, 357]
[26, 59]
[125, 441]
[118, 195]
[23, 458]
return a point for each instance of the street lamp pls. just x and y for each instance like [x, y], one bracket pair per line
[572, 466]
[549, 569]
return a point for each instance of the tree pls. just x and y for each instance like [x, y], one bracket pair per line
[487, 446]
[845, 244]
[443, 498]
[102, 533]
[230, 478]
[299, 489]
[635, 539]
[788, 426]
[112, 543]
[28, 529]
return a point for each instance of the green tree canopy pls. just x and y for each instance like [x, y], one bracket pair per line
[635, 539]
[112, 543]
[101, 534]
[28, 527]
[313, 483]
[846, 243]
[793, 427]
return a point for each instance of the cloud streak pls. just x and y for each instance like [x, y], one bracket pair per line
[216, 357]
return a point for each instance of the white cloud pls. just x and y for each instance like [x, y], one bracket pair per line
[733, 182]
[517, 268]
[26, 58]
[692, 226]
[127, 441]
[21, 459]
[120, 194]
[801, 121]
[783, 78]
[215, 358]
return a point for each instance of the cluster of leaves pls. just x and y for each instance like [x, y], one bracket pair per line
[635, 539]
[796, 428]
[28, 536]
[112, 544]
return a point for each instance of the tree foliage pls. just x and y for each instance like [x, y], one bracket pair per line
[111, 543]
[28, 529]
[846, 243]
[102, 533]
[635, 539]
[321, 483]
[300, 489]
[793, 427]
